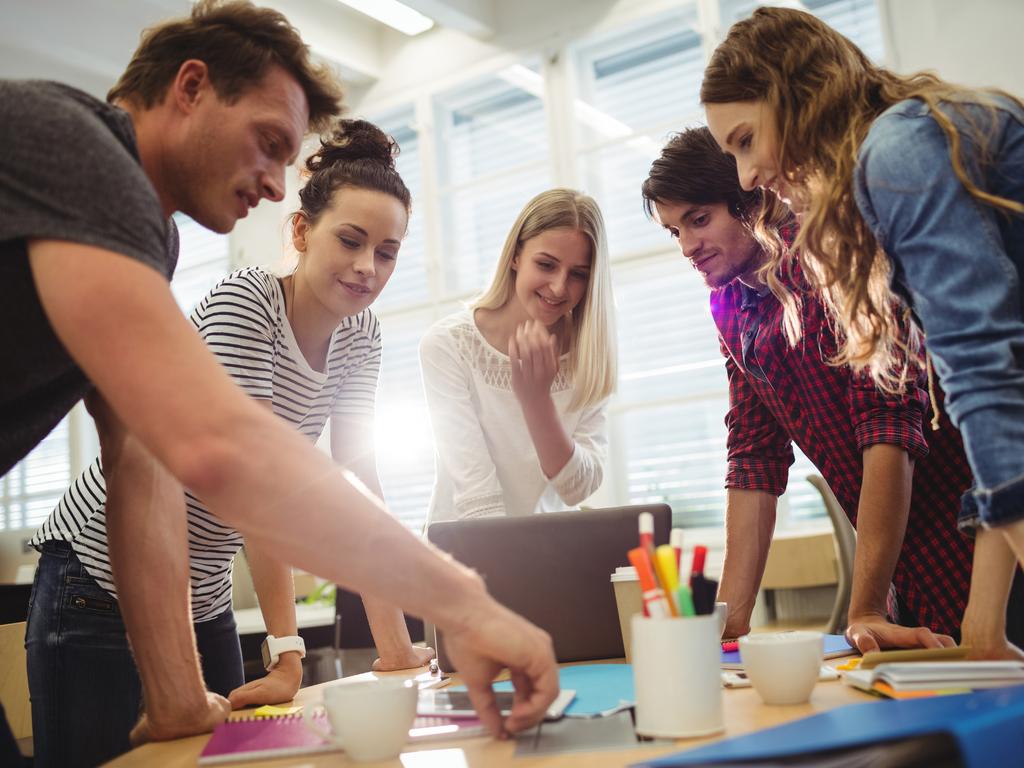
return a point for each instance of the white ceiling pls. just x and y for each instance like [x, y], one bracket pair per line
[87, 43]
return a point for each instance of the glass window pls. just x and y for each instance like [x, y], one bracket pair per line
[204, 258]
[408, 283]
[634, 88]
[404, 444]
[493, 152]
[29, 492]
[857, 20]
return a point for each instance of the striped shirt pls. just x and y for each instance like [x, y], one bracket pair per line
[243, 322]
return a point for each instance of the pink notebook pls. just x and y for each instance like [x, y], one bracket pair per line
[256, 738]
[288, 736]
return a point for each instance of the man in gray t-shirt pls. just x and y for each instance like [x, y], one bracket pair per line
[70, 172]
[218, 104]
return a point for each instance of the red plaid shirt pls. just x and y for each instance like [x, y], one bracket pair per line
[779, 394]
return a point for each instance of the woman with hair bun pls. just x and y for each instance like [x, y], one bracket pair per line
[307, 346]
[518, 383]
[909, 184]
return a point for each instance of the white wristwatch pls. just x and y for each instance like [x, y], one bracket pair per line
[273, 647]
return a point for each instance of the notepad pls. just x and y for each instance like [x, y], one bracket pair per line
[835, 647]
[258, 738]
[288, 736]
[916, 679]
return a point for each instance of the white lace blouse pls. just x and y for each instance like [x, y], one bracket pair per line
[486, 461]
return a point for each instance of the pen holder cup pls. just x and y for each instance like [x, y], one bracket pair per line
[676, 676]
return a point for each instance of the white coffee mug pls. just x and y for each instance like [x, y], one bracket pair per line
[370, 719]
[783, 666]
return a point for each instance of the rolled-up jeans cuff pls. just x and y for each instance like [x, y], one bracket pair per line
[969, 519]
[1001, 505]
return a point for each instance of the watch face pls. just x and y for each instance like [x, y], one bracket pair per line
[265, 650]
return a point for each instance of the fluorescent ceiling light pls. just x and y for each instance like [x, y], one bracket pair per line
[393, 13]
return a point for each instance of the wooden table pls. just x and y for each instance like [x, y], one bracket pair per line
[744, 712]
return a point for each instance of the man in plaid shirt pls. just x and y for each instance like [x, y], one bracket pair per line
[902, 493]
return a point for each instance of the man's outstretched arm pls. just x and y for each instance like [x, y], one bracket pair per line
[119, 322]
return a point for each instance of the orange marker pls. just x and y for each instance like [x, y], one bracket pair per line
[655, 604]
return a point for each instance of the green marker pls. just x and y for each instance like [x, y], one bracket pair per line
[685, 601]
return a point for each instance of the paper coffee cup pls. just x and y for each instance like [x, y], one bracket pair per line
[629, 601]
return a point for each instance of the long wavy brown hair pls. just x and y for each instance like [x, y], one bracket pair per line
[825, 94]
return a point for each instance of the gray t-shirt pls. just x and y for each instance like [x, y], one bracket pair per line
[69, 170]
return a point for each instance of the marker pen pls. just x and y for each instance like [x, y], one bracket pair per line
[685, 601]
[666, 570]
[646, 526]
[655, 604]
[675, 540]
[703, 597]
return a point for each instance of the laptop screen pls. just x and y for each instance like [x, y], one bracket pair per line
[555, 570]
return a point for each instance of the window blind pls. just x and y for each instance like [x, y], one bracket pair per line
[204, 258]
[408, 283]
[493, 156]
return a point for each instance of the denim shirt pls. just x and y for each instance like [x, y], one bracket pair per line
[959, 263]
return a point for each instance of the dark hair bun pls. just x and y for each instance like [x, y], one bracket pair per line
[352, 140]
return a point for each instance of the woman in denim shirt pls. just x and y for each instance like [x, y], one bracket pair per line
[905, 184]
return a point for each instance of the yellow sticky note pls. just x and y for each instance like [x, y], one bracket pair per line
[268, 710]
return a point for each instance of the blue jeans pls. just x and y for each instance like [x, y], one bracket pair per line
[959, 262]
[85, 690]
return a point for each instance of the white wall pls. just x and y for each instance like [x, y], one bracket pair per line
[975, 43]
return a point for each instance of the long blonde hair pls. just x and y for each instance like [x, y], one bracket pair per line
[593, 359]
[825, 94]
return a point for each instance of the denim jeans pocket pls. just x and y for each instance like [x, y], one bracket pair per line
[92, 603]
[82, 593]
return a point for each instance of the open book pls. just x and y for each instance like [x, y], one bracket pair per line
[916, 679]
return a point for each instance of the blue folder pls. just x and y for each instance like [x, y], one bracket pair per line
[988, 726]
[599, 687]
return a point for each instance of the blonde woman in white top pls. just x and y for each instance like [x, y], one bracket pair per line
[517, 384]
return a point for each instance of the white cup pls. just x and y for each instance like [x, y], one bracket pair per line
[676, 676]
[783, 666]
[628, 602]
[370, 720]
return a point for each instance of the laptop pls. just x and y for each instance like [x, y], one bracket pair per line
[554, 569]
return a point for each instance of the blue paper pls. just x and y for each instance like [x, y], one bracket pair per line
[986, 725]
[599, 687]
[835, 645]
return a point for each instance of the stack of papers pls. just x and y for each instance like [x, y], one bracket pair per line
[916, 679]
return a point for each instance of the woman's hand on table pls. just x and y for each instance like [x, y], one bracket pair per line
[278, 686]
[413, 656]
